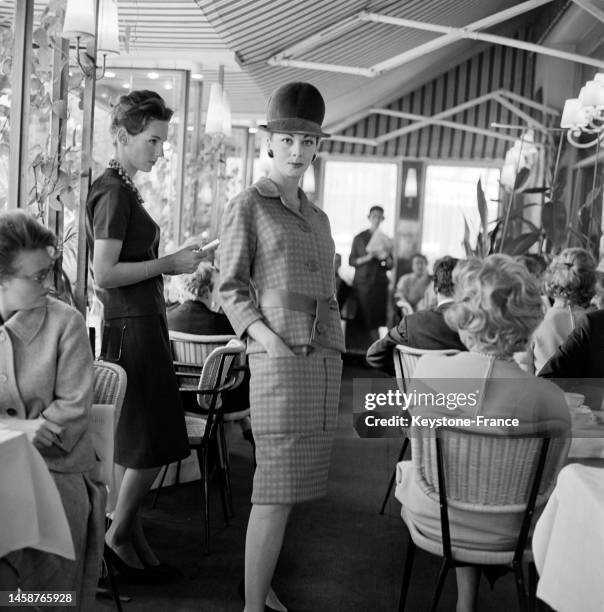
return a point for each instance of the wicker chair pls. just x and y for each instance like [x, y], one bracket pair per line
[405, 360]
[205, 430]
[190, 352]
[109, 390]
[485, 473]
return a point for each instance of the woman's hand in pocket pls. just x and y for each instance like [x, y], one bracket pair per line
[278, 348]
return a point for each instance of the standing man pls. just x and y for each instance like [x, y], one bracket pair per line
[371, 256]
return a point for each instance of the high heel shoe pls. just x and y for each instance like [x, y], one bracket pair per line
[131, 574]
[241, 591]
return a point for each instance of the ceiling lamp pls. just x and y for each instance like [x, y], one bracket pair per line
[583, 116]
[218, 118]
[79, 19]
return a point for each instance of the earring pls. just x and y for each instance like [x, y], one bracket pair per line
[314, 157]
[270, 153]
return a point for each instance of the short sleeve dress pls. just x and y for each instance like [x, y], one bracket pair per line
[151, 431]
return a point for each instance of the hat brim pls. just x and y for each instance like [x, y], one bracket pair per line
[294, 126]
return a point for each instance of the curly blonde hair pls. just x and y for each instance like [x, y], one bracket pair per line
[572, 275]
[194, 286]
[497, 303]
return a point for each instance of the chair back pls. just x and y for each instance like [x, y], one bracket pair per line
[405, 361]
[487, 472]
[190, 352]
[109, 390]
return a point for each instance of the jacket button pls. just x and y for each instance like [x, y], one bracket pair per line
[321, 327]
[2, 336]
[312, 266]
[11, 412]
[3, 378]
[304, 227]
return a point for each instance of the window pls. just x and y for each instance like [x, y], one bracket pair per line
[350, 189]
[450, 194]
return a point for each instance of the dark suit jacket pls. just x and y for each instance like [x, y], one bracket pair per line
[196, 318]
[424, 330]
[581, 356]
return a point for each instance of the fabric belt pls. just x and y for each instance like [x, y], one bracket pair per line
[318, 307]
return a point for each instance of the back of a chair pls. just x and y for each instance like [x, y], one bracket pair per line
[217, 370]
[406, 358]
[487, 472]
[109, 390]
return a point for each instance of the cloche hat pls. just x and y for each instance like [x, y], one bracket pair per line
[296, 108]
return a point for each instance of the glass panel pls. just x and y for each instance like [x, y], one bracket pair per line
[6, 52]
[350, 189]
[450, 194]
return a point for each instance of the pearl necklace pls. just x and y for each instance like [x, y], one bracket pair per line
[115, 165]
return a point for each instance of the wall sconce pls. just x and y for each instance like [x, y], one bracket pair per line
[410, 190]
[79, 24]
[218, 118]
[584, 115]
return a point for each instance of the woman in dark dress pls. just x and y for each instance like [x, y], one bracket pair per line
[123, 241]
[370, 280]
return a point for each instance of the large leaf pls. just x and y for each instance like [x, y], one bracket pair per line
[582, 237]
[521, 178]
[521, 244]
[483, 212]
[553, 220]
[466, 238]
[542, 189]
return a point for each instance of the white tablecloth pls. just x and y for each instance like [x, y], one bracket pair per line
[568, 543]
[588, 438]
[30, 505]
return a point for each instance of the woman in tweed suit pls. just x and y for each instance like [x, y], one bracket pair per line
[277, 286]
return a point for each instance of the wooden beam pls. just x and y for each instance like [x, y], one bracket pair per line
[370, 142]
[289, 63]
[590, 8]
[183, 119]
[531, 121]
[449, 37]
[450, 124]
[19, 108]
[81, 288]
[460, 33]
[528, 102]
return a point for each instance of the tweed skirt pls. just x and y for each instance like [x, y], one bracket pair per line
[294, 412]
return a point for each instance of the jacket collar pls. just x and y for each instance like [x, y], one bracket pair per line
[25, 324]
[268, 189]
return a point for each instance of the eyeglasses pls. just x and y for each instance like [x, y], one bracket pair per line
[39, 277]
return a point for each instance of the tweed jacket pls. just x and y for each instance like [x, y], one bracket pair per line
[45, 360]
[267, 246]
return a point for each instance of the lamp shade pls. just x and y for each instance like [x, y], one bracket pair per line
[109, 28]
[79, 19]
[411, 184]
[218, 118]
[573, 114]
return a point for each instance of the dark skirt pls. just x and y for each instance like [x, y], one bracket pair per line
[294, 412]
[151, 430]
[372, 298]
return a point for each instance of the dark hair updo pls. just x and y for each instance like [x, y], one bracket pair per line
[21, 232]
[137, 109]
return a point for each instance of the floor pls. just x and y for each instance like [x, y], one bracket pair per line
[339, 553]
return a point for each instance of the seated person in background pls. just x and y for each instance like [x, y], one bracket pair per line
[570, 281]
[597, 301]
[48, 395]
[194, 315]
[536, 265]
[410, 287]
[497, 307]
[425, 329]
[580, 357]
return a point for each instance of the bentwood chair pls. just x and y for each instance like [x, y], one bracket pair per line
[490, 474]
[189, 352]
[109, 390]
[205, 429]
[405, 360]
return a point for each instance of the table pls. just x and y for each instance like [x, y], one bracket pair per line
[568, 542]
[30, 505]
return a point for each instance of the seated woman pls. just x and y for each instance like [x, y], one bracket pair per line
[497, 307]
[45, 344]
[570, 281]
[411, 287]
[194, 315]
